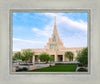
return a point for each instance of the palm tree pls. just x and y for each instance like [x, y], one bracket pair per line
[69, 55]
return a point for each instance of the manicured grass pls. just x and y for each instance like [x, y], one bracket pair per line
[57, 68]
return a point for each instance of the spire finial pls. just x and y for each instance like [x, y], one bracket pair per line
[55, 19]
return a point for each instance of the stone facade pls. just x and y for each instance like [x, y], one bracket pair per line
[55, 47]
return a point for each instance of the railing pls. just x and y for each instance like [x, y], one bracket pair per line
[66, 63]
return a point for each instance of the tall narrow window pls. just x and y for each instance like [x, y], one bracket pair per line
[50, 46]
[56, 46]
[53, 46]
[54, 38]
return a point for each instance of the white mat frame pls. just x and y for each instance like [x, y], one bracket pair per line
[93, 77]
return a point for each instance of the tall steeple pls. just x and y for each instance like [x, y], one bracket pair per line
[55, 27]
[54, 42]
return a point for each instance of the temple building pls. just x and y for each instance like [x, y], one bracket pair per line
[55, 48]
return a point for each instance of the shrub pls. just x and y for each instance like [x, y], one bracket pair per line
[82, 70]
[19, 70]
[80, 65]
[25, 69]
[22, 69]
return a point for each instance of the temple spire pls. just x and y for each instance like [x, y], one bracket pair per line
[55, 20]
[54, 41]
[55, 28]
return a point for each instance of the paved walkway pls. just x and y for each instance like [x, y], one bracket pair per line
[81, 67]
[40, 66]
[27, 66]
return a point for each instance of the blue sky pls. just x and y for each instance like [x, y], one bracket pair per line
[33, 30]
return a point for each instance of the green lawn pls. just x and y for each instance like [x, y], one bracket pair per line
[57, 68]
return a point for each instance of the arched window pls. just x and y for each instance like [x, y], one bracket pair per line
[54, 38]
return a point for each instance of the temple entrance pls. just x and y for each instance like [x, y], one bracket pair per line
[60, 58]
[36, 58]
[31, 59]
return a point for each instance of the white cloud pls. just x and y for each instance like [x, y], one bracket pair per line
[62, 21]
[47, 31]
[27, 41]
[75, 41]
[19, 44]
[68, 22]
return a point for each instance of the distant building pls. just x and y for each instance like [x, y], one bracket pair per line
[56, 48]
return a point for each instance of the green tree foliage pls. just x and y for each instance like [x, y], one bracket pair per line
[14, 58]
[44, 57]
[27, 55]
[17, 56]
[82, 56]
[69, 55]
[51, 58]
